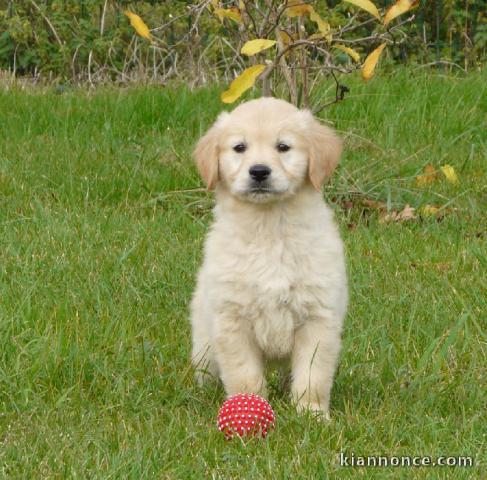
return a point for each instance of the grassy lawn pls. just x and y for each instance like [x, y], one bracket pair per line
[102, 219]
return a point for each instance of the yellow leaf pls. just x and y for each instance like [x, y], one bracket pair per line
[371, 61]
[242, 83]
[140, 27]
[255, 46]
[449, 173]
[296, 8]
[349, 51]
[400, 7]
[285, 38]
[316, 36]
[429, 176]
[366, 5]
[429, 210]
[233, 13]
[323, 27]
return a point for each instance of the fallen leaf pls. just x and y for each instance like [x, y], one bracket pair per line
[442, 267]
[429, 210]
[233, 13]
[255, 46]
[371, 62]
[366, 5]
[242, 83]
[400, 7]
[449, 173]
[429, 176]
[374, 204]
[140, 27]
[349, 51]
[407, 213]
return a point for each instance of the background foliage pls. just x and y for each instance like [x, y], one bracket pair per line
[80, 39]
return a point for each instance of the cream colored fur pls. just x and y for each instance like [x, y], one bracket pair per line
[273, 281]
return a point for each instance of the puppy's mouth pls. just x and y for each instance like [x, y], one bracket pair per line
[261, 193]
[261, 190]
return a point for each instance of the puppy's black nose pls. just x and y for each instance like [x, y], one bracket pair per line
[259, 172]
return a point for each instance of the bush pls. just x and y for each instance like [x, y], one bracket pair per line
[92, 39]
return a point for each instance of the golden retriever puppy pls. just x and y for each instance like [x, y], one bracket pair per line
[273, 281]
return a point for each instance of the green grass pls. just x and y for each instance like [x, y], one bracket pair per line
[102, 224]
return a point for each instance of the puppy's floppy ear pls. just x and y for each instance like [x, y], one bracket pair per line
[325, 148]
[206, 153]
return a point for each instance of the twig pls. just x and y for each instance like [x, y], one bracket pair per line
[51, 26]
[339, 95]
[102, 21]
[89, 67]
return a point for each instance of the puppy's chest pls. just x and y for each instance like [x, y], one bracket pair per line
[274, 297]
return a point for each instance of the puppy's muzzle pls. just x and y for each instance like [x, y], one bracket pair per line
[259, 173]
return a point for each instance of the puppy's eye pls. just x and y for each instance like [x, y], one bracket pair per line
[240, 148]
[282, 147]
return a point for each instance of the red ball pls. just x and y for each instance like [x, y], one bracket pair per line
[245, 414]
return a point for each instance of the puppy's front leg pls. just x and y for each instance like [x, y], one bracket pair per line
[239, 358]
[314, 359]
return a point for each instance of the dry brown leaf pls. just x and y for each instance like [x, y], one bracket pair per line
[439, 213]
[374, 204]
[429, 176]
[442, 267]
[407, 213]
[429, 210]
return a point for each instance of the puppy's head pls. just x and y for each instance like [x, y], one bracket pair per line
[267, 149]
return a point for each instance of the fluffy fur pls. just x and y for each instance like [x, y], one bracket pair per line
[273, 281]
